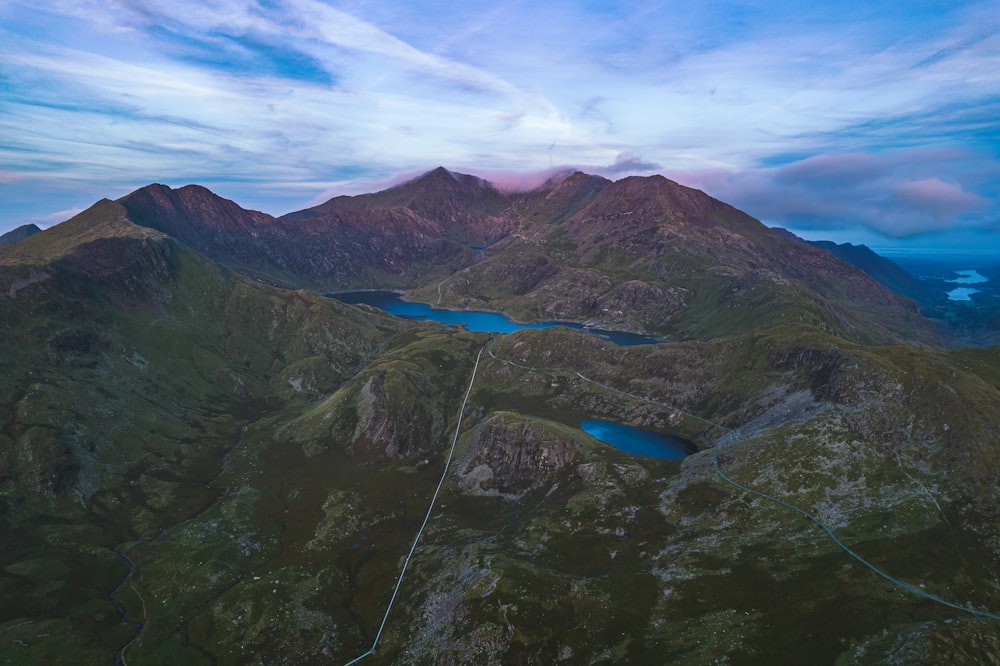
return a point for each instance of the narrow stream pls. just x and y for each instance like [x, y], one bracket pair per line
[122, 613]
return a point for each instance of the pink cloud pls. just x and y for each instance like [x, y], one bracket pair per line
[900, 194]
[520, 181]
[624, 164]
[11, 177]
[941, 199]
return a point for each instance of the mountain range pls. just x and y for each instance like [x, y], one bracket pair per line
[579, 248]
[205, 459]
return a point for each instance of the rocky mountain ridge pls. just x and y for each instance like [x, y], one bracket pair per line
[562, 251]
[892, 276]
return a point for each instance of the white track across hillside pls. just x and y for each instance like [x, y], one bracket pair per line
[430, 509]
[715, 463]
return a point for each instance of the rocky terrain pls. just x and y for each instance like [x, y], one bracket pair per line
[197, 466]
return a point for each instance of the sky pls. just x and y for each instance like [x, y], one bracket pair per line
[849, 120]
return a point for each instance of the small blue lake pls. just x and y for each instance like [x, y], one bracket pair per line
[639, 442]
[482, 322]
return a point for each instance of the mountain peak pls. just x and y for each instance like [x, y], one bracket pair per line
[196, 216]
[441, 195]
[18, 234]
[101, 222]
[440, 171]
[449, 181]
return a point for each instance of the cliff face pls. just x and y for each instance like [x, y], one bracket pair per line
[510, 456]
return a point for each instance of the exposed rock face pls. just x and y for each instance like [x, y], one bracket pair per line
[510, 456]
[390, 429]
[135, 271]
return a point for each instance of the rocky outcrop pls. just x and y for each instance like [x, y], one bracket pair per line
[511, 455]
[388, 427]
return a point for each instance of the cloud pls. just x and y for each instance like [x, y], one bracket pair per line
[627, 163]
[59, 216]
[10, 177]
[522, 181]
[298, 37]
[899, 195]
[944, 201]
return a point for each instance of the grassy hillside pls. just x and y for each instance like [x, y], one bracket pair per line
[129, 368]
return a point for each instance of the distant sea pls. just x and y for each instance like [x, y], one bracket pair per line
[951, 271]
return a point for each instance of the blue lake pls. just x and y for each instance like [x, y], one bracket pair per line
[483, 322]
[637, 441]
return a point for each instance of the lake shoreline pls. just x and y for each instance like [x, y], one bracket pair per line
[395, 302]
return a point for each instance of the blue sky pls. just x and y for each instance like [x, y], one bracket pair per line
[870, 122]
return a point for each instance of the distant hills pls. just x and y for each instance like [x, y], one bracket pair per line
[20, 233]
[885, 271]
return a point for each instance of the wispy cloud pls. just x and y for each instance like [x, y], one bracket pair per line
[59, 216]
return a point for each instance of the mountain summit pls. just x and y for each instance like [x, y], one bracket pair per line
[580, 248]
